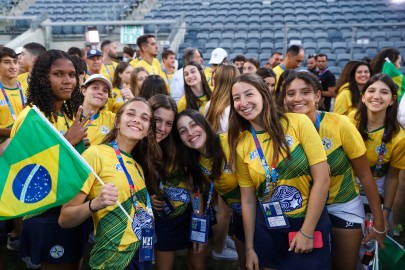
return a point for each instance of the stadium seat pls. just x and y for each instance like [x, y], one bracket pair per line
[335, 70]
[342, 59]
[385, 44]
[266, 37]
[321, 36]
[378, 36]
[324, 47]
[310, 47]
[266, 48]
[339, 47]
[238, 47]
[307, 37]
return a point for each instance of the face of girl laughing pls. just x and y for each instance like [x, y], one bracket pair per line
[248, 103]
[164, 122]
[377, 97]
[191, 134]
[135, 121]
[301, 97]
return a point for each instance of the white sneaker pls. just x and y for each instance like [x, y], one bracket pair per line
[226, 254]
[29, 264]
[230, 243]
[13, 243]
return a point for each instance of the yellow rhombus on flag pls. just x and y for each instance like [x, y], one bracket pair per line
[39, 169]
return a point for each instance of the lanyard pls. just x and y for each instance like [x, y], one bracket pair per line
[378, 165]
[318, 121]
[106, 68]
[129, 179]
[208, 172]
[323, 72]
[282, 66]
[92, 118]
[167, 78]
[8, 101]
[271, 176]
[120, 87]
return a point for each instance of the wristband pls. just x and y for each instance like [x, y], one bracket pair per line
[92, 210]
[306, 235]
[385, 230]
[248, 250]
[389, 209]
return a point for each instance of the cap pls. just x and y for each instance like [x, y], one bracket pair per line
[18, 50]
[218, 55]
[98, 77]
[93, 52]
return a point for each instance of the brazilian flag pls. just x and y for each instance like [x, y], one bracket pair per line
[39, 169]
[391, 70]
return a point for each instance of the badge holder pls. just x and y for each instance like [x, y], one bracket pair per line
[274, 215]
[146, 250]
[199, 228]
[168, 208]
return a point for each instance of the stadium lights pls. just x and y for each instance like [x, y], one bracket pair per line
[398, 1]
[92, 35]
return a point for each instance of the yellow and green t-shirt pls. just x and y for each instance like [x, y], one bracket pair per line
[24, 79]
[342, 143]
[343, 102]
[227, 185]
[154, 69]
[176, 189]
[208, 76]
[279, 71]
[97, 128]
[182, 105]
[6, 118]
[294, 178]
[114, 237]
[116, 100]
[108, 70]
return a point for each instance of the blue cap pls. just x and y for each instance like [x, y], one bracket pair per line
[93, 52]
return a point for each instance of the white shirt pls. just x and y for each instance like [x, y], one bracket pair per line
[224, 121]
[177, 85]
[401, 112]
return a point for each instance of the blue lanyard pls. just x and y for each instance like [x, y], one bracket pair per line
[92, 118]
[111, 79]
[323, 72]
[208, 172]
[271, 175]
[131, 184]
[318, 121]
[8, 101]
[167, 78]
[380, 158]
[282, 66]
[120, 87]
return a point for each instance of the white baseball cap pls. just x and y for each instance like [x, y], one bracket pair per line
[98, 77]
[217, 56]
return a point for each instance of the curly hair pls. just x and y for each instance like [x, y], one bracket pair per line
[40, 93]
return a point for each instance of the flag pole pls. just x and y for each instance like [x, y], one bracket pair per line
[77, 155]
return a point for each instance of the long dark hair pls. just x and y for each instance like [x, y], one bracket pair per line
[353, 87]
[391, 123]
[153, 85]
[147, 151]
[119, 70]
[40, 93]
[270, 114]
[189, 158]
[192, 100]
[345, 75]
[378, 61]
[168, 145]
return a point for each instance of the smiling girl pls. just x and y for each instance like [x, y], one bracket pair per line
[121, 91]
[116, 237]
[196, 89]
[346, 154]
[283, 176]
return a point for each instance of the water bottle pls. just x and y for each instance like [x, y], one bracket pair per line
[368, 226]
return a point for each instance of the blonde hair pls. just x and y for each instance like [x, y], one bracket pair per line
[133, 80]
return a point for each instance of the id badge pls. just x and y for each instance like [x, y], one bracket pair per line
[169, 208]
[146, 250]
[274, 215]
[199, 228]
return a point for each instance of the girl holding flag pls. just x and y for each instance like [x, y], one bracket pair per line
[125, 242]
[121, 91]
[54, 79]
[346, 154]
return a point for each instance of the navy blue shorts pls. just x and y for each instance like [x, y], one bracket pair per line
[135, 264]
[340, 223]
[271, 246]
[173, 233]
[237, 227]
[43, 240]
[3, 232]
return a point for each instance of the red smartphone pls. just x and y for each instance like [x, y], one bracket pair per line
[318, 242]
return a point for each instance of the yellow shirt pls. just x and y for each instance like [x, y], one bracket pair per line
[23, 79]
[108, 70]
[17, 104]
[279, 71]
[227, 185]
[134, 61]
[153, 69]
[116, 100]
[208, 76]
[168, 78]
[342, 143]
[100, 126]
[182, 105]
[294, 177]
[115, 238]
[343, 102]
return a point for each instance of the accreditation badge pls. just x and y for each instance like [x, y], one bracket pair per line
[146, 250]
[274, 215]
[199, 228]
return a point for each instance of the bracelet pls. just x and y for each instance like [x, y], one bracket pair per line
[92, 210]
[306, 235]
[389, 209]
[385, 230]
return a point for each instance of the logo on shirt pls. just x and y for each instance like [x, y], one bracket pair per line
[57, 251]
[327, 143]
[253, 155]
[114, 95]
[118, 168]
[176, 194]
[289, 197]
[227, 168]
[105, 130]
[3, 103]
[289, 140]
[119, 100]
[381, 148]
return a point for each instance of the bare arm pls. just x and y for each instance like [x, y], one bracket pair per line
[390, 189]
[330, 92]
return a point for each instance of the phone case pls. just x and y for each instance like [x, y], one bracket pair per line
[318, 241]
